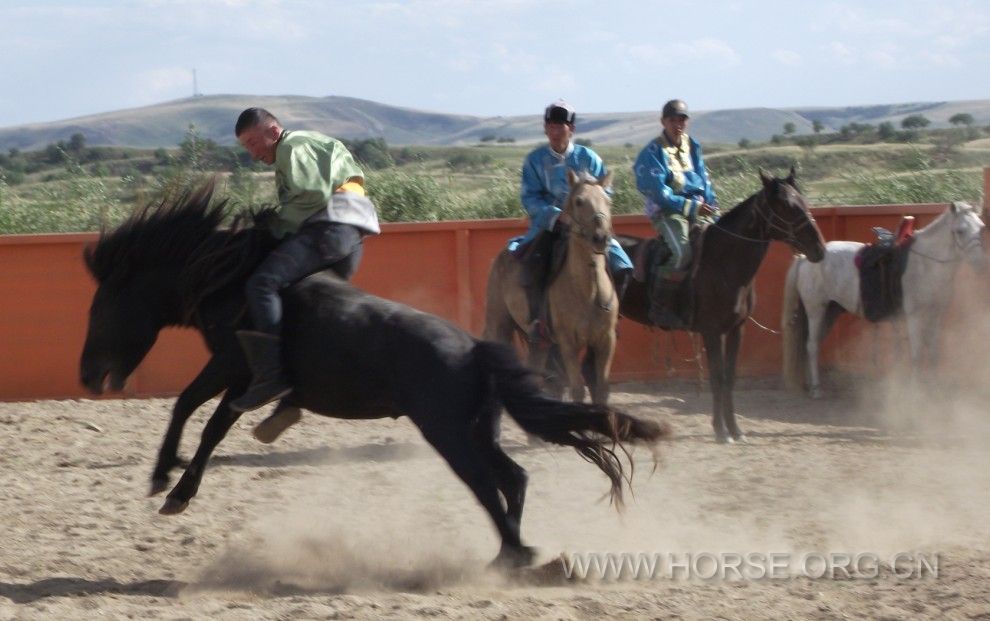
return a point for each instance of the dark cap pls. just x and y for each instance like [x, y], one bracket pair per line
[674, 107]
[559, 112]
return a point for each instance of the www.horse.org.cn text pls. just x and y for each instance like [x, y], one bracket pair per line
[748, 566]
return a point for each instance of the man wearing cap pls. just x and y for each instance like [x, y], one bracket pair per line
[670, 174]
[544, 190]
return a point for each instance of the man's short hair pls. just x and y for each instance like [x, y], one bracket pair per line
[253, 117]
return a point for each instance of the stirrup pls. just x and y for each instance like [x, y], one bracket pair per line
[260, 394]
[666, 317]
[537, 333]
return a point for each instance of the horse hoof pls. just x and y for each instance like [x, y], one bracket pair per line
[816, 393]
[740, 438]
[173, 507]
[513, 558]
[158, 486]
[723, 439]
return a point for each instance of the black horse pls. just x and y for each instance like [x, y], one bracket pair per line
[349, 355]
[720, 296]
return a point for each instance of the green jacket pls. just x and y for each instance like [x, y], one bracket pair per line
[309, 167]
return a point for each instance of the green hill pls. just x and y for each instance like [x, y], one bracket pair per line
[165, 124]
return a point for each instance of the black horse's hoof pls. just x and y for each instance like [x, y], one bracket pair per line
[173, 506]
[724, 439]
[158, 485]
[740, 438]
[513, 558]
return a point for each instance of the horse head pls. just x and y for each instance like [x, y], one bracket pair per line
[153, 271]
[590, 210]
[967, 234]
[788, 216]
[121, 331]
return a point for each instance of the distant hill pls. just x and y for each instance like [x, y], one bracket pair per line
[165, 124]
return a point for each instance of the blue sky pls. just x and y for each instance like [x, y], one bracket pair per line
[71, 58]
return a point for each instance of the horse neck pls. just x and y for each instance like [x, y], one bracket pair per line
[207, 285]
[936, 249]
[739, 244]
[586, 272]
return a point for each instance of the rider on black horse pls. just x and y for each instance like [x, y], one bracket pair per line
[671, 175]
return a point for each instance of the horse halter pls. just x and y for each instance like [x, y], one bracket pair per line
[770, 220]
[789, 230]
[581, 228]
[959, 249]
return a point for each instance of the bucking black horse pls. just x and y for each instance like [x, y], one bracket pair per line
[348, 353]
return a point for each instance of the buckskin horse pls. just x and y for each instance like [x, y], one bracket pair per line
[815, 295]
[720, 295]
[582, 303]
[348, 353]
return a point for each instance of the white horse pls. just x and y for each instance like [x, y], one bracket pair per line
[815, 294]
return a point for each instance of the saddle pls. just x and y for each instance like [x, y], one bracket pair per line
[881, 265]
[652, 254]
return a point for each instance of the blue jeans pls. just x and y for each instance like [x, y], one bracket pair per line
[315, 247]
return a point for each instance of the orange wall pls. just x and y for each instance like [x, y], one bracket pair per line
[441, 268]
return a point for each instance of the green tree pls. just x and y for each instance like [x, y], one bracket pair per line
[817, 126]
[789, 128]
[77, 143]
[914, 121]
[886, 131]
[372, 152]
[744, 143]
[963, 118]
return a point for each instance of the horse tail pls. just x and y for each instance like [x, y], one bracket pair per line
[592, 430]
[794, 323]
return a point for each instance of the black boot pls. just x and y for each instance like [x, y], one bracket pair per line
[536, 332]
[536, 264]
[281, 419]
[620, 281]
[264, 356]
[662, 305]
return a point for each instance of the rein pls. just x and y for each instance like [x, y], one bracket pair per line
[770, 218]
[960, 249]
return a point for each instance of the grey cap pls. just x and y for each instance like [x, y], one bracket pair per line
[559, 112]
[675, 107]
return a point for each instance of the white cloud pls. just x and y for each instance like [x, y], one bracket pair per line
[162, 83]
[704, 50]
[787, 57]
[840, 52]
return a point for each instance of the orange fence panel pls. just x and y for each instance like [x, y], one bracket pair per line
[441, 268]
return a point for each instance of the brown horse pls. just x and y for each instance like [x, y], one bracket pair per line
[720, 294]
[582, 303]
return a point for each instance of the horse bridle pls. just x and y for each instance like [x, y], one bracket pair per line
[961, 249]
[580, 229]
[770, 219]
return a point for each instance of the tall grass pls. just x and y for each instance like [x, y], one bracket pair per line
[75, 200]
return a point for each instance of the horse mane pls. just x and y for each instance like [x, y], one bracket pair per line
[181, 231]
[739, 210]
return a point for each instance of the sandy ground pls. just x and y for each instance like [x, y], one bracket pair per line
[362, 520]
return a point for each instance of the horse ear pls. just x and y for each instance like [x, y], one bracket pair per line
[792, 176]
[572, 178]
[606, 181]
[765, 178]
